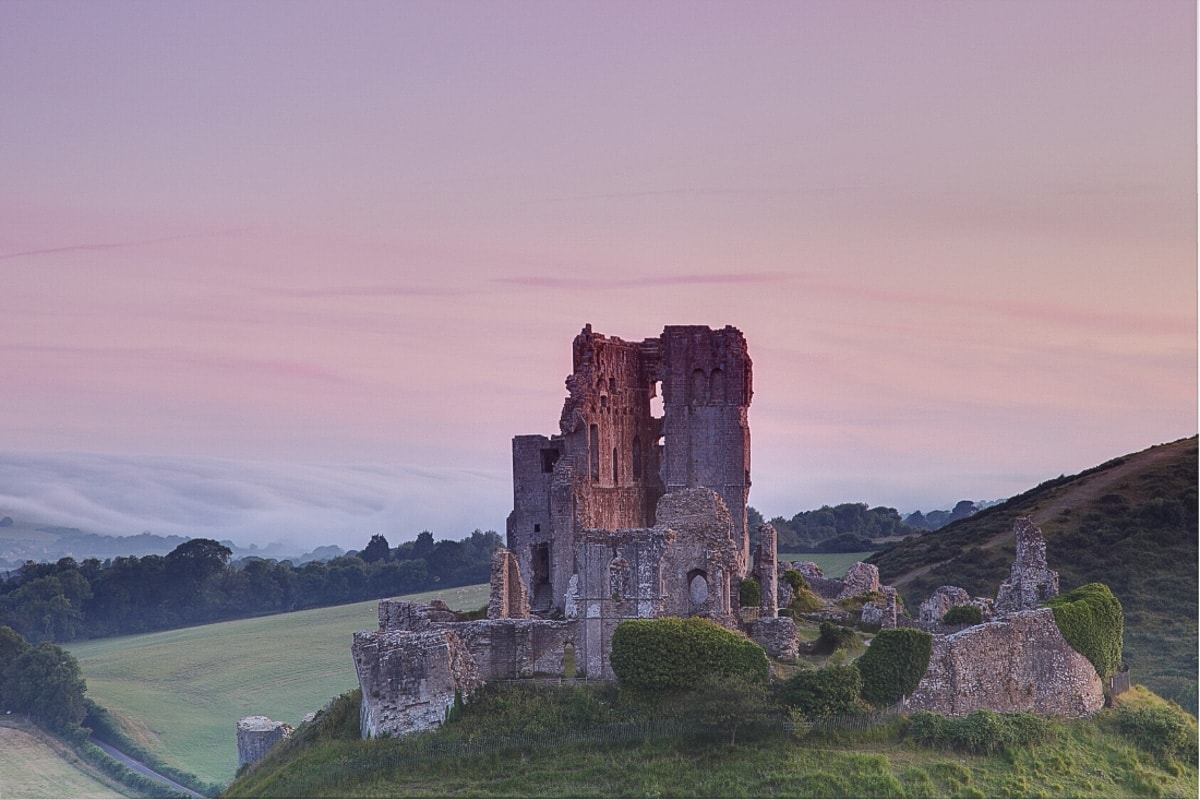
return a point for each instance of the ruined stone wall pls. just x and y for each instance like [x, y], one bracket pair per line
[1022, 663]
[257, 735]
[1030, 583]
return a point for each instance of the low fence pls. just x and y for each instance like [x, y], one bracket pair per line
[1119, 683]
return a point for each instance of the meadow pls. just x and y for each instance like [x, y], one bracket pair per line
[180, 693]
[38, 765]
[834, 565]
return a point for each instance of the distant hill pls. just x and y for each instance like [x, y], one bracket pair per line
[1130, 523]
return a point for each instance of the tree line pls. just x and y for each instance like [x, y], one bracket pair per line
[854, 527]
[198, 583]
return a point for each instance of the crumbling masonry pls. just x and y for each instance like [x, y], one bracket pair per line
[623, 514]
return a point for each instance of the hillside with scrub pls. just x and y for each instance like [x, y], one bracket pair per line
[1130, 523]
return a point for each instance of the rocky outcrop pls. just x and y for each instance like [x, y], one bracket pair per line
[1031, 583]
[1021, 663]
[257, 735]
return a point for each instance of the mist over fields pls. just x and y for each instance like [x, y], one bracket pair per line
[305, 505]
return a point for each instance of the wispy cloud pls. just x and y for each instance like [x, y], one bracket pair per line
[118, 245]
[602, 284]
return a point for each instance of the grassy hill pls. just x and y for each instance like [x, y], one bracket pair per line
[558, 742]
[1130, 523]
[180, 693]
[36, 764]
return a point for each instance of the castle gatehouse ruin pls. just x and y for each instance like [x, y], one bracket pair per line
[628, 513]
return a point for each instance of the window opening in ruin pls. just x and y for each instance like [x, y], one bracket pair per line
[604, 401]
[637, 458]
[537, 527]
[697, 590]
[569, 661]
[699, 388]
[612, 385]
[656, 400]
[717, 388]
[540, 568]
[614, 466]
[549, 459]
[594, 451]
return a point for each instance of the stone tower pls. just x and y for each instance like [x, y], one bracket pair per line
[613, 459]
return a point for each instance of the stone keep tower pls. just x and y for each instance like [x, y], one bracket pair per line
[613, 459]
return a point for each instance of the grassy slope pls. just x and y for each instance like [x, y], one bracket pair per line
[834, 565]
[180, 693]
[1080, 759]
[1129, 523]
[35, 764]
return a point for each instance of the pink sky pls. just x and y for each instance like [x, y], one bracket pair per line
[960, 237]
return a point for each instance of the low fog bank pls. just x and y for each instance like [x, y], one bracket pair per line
[300, 506]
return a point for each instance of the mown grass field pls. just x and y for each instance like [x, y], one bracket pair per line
[180, 693]
[834, 565]
[35, 765]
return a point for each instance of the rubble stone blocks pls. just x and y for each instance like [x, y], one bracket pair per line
[885, 615]
[777, 636]
[1022, 663]
[257, 735]
[860, 579]
[1031, 583]
[942, 600]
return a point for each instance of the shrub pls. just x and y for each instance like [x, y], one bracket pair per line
[795, 580]
[1092, 622]
[893, 664]
[1163, 729]
[833, 638]
[750, 593]
[823, 692]
[673, 654]
[979, 732]
[963, 615]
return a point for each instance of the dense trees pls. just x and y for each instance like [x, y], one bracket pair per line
[44, 681]
[196, 582]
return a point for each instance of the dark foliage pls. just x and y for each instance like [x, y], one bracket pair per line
[978, 732]
[832, 637]
[196, 583]
[671, 654]
[750, 593]
[823, 692]
[893, 664]
[845, 528]
[963, 615]
[44, 682]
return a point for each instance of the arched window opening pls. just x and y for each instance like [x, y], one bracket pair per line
[717, 384]
[594, 451]
[697, 590]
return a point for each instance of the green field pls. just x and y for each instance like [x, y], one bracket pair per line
[180, 693]
[35, 764]
[834, 565]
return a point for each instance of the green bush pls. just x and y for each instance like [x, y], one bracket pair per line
[893, 664]
[963, 615]
[978, 732]
[750, 593]
[1092, 622]
[673, 654]
[833, 638]
[1164, 730]
[823, 692]
[795, 580]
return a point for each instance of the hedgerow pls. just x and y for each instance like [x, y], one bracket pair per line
[1164, 730]
[893, 664]
[673, 654]
[823, 692]
[1092, 622]
[978, 732]
[963, 615]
